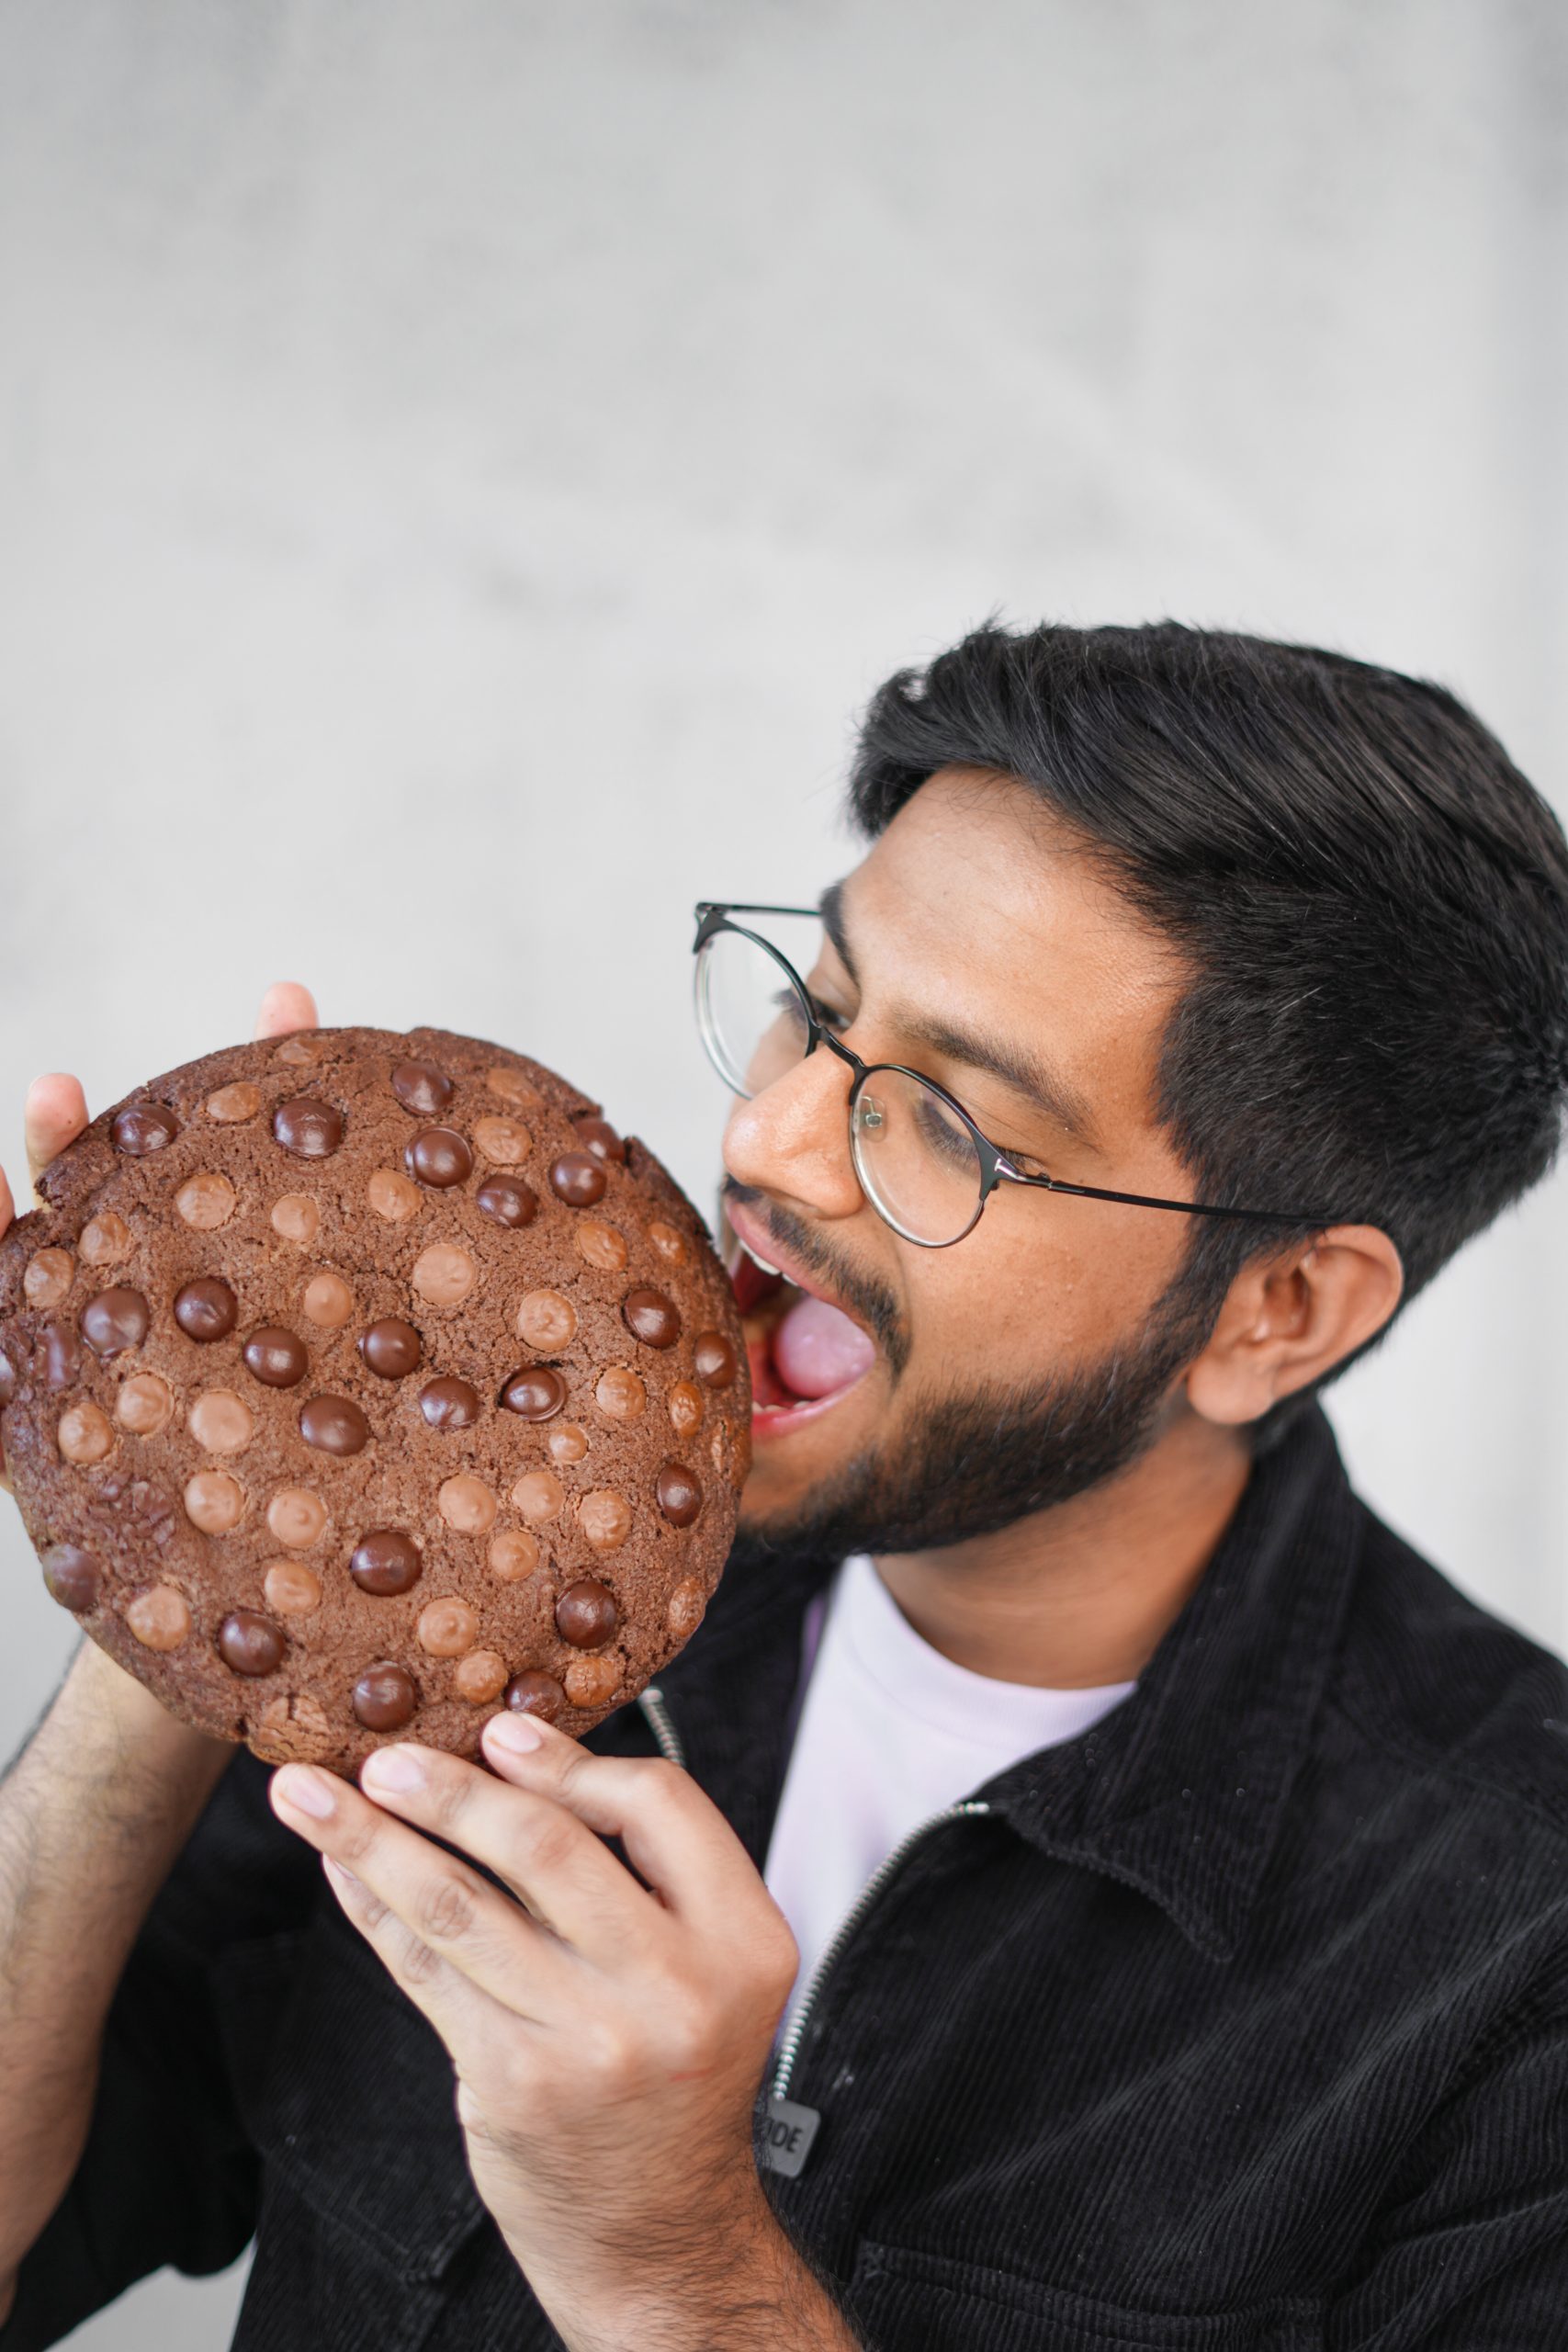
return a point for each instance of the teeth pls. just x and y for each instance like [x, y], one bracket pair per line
[755, 1260]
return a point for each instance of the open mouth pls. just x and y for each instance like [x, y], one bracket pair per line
[804, 1351]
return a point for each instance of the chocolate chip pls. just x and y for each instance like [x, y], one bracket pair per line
[599, 1137]
[592, 1682]
[308, 1128]
[278, 1359]
[207, 1309]
[578, 1179]
[160, 1618]
[115, 1320]
[142, 1127]
[652, 1318]
[714, 1359]
[536, 1392]
[386, 1562]
[232, 1106]
[61, 1355]
[385, 1696]
[685, 1407]
[214, 1501]
[447, 1627]
[107, 1240]
[535, 1695]
[680, 1497]
[606, 1518]
[72, 1575]
[586, 1613]
[249, 1643]
[444, 1275]
[390, 1349]
[508, 1202]
[479, 1678]
[47, 1278]
[206, 1199]
[688, 1603]
[546, 1319]
[334, 1425]
[439, 1156]
[422, 1087]
[84, 1435]
[449, 1404]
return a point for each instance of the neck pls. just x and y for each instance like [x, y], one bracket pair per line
[1079, 1595]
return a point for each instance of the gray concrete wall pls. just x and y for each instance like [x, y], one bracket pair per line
[461, 468]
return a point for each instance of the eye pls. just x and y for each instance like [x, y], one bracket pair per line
[784, 1006]
[945, 1136]
[830, 1017]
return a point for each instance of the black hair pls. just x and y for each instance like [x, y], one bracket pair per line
[1372, 902]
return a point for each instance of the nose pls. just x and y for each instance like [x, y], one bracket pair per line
[793, 1140]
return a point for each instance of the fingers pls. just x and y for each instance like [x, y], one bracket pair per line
[56, 1109]
[54, 1114]
[674, 1836]
[445, 1933]
[549, 1857]
[286, 1005]
[463, 2013]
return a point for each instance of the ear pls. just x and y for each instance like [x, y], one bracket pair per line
[1288, 1320]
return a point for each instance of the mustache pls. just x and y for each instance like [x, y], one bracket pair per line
[870, 1300]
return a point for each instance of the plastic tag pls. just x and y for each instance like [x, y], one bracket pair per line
[787, 2133]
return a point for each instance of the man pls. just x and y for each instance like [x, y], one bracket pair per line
[1173, 1865]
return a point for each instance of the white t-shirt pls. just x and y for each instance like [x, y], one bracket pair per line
[890, 1732]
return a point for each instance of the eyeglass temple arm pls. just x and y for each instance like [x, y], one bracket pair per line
[709, 909]
[710, 913]
[1147, 1201]
[737, 907]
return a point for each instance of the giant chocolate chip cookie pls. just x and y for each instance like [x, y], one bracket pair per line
[356, 1385]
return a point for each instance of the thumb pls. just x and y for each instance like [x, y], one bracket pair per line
[286, 1005]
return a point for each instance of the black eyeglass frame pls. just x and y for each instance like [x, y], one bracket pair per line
[713, 916]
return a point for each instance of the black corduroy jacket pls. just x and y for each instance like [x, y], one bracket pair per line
[1239, 2024]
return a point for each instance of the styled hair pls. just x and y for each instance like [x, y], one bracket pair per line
[1371, 899]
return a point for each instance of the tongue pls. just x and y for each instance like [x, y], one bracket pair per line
[817, 1349]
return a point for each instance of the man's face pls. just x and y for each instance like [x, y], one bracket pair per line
[1035, 1356]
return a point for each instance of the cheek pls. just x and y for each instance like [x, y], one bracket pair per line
[1061, 1293]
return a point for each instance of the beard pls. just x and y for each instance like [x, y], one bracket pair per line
[966, 1466]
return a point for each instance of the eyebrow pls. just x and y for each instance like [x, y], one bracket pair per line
[1024, 1073]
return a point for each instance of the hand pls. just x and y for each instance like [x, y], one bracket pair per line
[55, 1111]
[608, 2036]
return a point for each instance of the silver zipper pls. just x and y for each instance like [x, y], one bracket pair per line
[789, 2128]
[664, 1732]
[789, 2048]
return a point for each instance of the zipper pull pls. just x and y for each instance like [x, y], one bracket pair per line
[788, 2130]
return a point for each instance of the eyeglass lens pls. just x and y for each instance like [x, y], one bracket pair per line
[916, 1159]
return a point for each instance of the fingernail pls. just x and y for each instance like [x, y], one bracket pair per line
[516, 1734]
[393, 1768]
[305, 1791]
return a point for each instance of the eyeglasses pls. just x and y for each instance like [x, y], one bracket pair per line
[922, 1162]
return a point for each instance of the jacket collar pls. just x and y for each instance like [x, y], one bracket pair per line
[1179, 1791]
